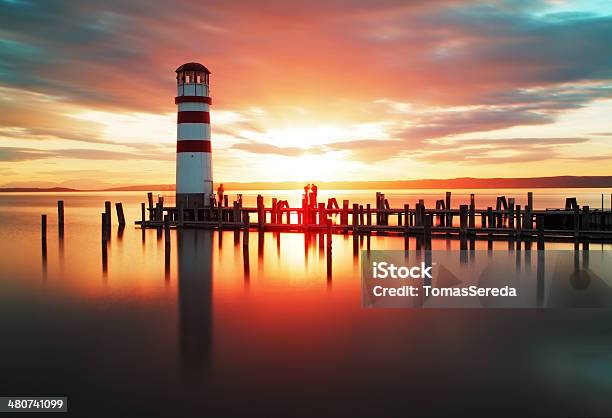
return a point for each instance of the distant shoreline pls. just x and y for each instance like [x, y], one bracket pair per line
[457, 183]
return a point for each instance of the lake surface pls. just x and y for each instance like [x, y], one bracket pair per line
[209, 330]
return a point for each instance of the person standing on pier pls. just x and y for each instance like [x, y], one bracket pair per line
[313, 187]
[307, 194]
[220, 191]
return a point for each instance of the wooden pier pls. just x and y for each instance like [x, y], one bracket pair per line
[504, 221]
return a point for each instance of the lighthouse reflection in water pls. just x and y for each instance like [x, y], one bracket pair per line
[194, 257]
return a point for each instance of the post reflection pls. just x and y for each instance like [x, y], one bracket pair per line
[194, 257]
[44, 258]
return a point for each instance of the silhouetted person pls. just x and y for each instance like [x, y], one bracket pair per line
[220, 191]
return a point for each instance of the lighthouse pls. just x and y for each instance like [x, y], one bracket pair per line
[193, 151]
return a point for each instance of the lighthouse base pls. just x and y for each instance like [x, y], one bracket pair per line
[192, 200]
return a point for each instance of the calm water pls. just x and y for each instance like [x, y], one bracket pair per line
[208, 330]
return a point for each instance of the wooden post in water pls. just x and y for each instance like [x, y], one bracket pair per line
[245, 233]
[236, 214]
[142, 214]
[472, 220]
[107, 210]
[576, 222]
[490, 217]
[120, 215]
[377, 208]
[150, 200]
[158, 211]
[361, 222]
[518, 220]
[369, 214]
[43, 227]
[345, 208]
[463, 220]
[406, 217]
[447, 207]
[302, 214]
[386, 209]
[528, 218]
[511, 213]
[274, 211]
[167, 229]
[60, 213]
[105, 226]
[528, 222]
[321, 213]
[530, 199]
[586, 218]
[427, 222]
[261, 212]
[355, 219]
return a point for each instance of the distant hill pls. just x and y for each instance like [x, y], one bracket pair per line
[37, 189]
[156, 187]
[457, 183]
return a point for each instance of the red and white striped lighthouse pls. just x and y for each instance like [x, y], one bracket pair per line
[193, 152]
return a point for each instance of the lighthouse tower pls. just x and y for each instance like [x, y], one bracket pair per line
[193, 156]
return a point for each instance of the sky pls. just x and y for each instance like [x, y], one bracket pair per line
[306, 90]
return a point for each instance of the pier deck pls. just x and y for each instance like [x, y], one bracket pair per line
[505, 221]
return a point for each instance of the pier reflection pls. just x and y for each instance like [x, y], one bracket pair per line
[194, 255]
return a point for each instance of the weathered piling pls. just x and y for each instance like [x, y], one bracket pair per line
[43, 244]
[428, 222]
[463, 220]
[245, 234]
[107, 210]
[321, 214]
[345, 211]
[105, 226]
[449, 216]
[120, 215]
[540, 231]
[150, 201]
[60, 213]
[586, 219]
[472, 220]
[274, 210]
[43, 227]
[361, 222]
[167, 230]
[261, 214]
[142, 214]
